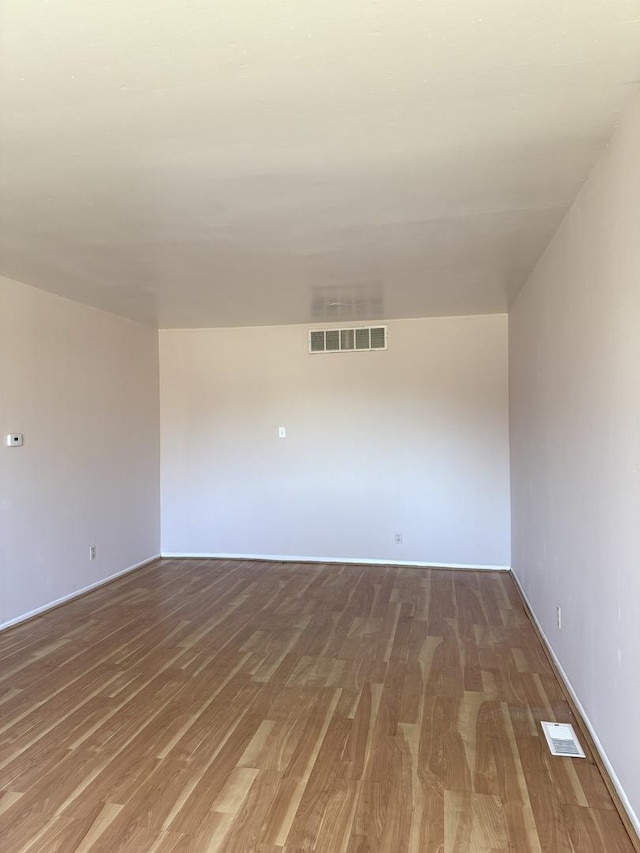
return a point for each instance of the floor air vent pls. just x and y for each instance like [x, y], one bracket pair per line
[562, 740]
[361, 338]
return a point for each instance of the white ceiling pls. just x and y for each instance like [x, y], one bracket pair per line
[239, 162]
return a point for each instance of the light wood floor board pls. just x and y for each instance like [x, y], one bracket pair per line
[244, 707]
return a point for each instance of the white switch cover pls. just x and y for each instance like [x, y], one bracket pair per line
[282, 432]
[14, 439]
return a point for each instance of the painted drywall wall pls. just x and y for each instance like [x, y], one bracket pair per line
[82, 386]
[575, 445]
[412, 440]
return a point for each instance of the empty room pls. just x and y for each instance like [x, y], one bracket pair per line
[320, 426]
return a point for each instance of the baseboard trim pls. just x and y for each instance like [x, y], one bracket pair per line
[356, 561]
[618, 794]
[77, 594]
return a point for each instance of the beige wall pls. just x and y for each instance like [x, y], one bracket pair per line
[82, 386]
[414, 439]
[575, 444]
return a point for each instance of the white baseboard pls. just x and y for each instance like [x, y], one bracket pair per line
[633, 817]
[76, 594]
[357, 561]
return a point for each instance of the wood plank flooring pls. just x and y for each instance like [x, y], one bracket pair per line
[279, 708]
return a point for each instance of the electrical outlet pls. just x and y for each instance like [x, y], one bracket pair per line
[92, 552]
[559, 617]
[397, 538]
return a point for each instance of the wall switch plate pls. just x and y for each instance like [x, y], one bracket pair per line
[282, 432]
[14, 439]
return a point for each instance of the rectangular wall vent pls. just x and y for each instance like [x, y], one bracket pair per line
[562, 740]
[358, 339]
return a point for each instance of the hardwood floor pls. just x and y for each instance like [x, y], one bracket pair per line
[281, 708]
